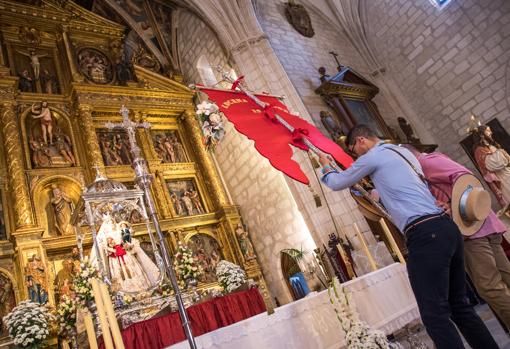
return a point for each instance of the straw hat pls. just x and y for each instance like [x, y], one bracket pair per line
[470, 205]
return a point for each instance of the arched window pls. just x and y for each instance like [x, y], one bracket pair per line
[205, 71]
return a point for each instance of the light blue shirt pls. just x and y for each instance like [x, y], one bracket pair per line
[403, 193]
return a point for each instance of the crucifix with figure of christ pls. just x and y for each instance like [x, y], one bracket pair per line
[144, 179]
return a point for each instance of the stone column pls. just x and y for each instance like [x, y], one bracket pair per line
[20, 194]
[212, 178]
[70, 57]
[91, 142]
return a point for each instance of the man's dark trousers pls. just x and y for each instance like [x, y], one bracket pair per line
[435, 265]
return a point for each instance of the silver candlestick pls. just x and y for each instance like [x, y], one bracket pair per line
[144, 179]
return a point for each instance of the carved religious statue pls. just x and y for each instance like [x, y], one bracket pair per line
[63, 209]
[493, 162]
[40, 153]
[64, 280]
[245, 243]
[43, 113]
[34, 61]
[26, 83]
[37, 282]
[49, 82]
[129, 266]
[332, 125]
[408, 131]
[7, 300]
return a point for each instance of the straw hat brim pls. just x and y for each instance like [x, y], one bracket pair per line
[466, 228]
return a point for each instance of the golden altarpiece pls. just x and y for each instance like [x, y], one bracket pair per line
[61, 80]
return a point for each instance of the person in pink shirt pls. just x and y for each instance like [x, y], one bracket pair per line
[485, 260]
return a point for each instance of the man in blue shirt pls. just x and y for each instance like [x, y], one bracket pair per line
[435, 262]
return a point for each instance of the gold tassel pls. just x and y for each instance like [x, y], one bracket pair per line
[316, 197]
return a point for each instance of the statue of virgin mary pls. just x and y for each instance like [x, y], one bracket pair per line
[130, 269]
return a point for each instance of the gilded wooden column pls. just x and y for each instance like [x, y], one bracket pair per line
[70, 57]
[91, 142]
[211, 177]
[17, 181]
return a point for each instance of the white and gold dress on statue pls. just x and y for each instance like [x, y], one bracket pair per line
[131, 270]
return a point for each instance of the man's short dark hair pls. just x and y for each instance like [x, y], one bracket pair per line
[360, 130]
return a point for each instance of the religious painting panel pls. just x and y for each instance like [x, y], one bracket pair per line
[95, 66]
[186, 200]
[168, 146]
[49, 140]
[115, 147]
[489, 153]
[36, 70]
[207, 250]
[7, 301]
[363, 114]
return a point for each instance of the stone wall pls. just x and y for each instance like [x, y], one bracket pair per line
[267, 205]
[449, 63]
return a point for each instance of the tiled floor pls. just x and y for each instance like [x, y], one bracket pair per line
[487, 316]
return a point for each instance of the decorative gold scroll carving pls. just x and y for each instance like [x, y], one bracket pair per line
[211, 177]
[21, 197]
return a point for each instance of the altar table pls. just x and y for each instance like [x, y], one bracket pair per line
[383, 298]
[204, 317]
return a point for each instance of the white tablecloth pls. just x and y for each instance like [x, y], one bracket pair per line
[383, 298]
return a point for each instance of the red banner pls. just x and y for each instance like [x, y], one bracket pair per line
[272, 139]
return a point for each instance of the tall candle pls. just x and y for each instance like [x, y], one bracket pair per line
[112, 319]
[392, 241]
[371, 259]
[89, 326]
[103, 320]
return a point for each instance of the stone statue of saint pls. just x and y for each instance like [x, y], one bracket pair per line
[44, 113]
[408, 131]
[245, 243]
[34, 61]
[37, 280]
[63, 209]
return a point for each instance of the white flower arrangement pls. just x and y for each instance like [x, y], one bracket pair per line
[66, 317]
[211, 120]
[82, 285]
[357, 333]
[230, 276]
[28, 324]
[186, 265]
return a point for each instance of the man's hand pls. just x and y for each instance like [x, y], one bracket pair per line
[375, 195]
[324, 160]
[445, 206]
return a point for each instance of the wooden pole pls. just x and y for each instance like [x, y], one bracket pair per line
[392, 241]
[371, 259]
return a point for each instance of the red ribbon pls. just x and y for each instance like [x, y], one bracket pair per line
[269, 112]
[298, 133]
[237, 82]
